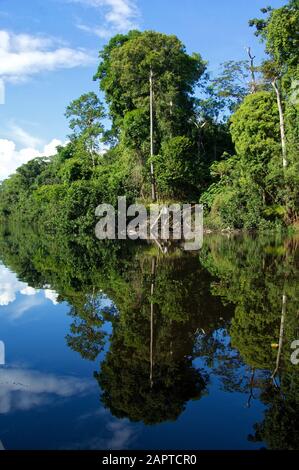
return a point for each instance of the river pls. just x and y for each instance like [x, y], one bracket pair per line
[120, 346]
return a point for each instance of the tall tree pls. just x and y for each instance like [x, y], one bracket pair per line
[279, 31]
[86, 114]
[124, 77]
[166, 101]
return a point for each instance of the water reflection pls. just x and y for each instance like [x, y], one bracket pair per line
[10, 287]
[23, 389]
[177, 323]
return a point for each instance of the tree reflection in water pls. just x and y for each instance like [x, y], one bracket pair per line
[229, 311]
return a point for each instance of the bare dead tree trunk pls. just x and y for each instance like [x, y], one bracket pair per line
[153, 184]
[282, 124]
[281, 333]
[251, 385]
[253, 84]
[152, 321]
[91, 151]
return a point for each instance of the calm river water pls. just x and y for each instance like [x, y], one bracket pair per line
[118, 346]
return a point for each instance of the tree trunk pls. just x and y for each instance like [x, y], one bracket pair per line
[152, 321]
[253, 84]
[281, 334]
[153, 184]
[282, 125]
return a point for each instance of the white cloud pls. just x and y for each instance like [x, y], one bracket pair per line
[51, 295]
[23, 137]
[22, 55]
[122, 434]
[117, 434]
[99, 31]
[26, 304]
[23, 389]
[11, 157]
[50, 148]
[118, 16]
[28, 291]
[2, 92]
[10, 286]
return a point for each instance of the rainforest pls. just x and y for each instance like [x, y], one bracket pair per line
[229, 142]
[114, 345]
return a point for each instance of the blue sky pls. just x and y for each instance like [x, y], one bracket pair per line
[49, 48]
